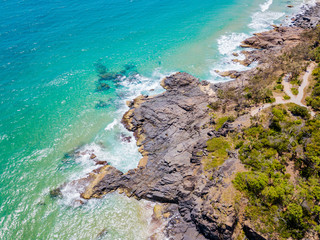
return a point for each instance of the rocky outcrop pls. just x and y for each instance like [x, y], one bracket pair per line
[102, 180]
[272, 43]
[308, 18]
[232, 74]
[171, 130]
[278, 37]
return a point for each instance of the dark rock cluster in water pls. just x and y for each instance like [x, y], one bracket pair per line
[108, 79]
[110, 82]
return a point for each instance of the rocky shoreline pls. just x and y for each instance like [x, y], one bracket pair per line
[172, 130]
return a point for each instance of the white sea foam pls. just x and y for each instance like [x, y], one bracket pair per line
[112, 145]
[143, 85]
[228, 43]
[262, 21]
[71, 191]
[4, 137]
[111, 125]
[265, 6]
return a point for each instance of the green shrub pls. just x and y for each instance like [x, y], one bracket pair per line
[279, 80]
[286, 97]
[279, 87]
[275, 125]
[294, 213]
[300, 111]
[254, 182]
[294, 91]
[214, 105]
[296, 82]
[239, 144]
[231, 118]
[316, 73]
[316, 91]
[309, 100]
[315, 104]
[279, 113]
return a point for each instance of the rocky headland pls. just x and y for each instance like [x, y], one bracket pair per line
[172, 130]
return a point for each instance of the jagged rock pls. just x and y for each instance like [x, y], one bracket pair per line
[245, 62]
[101, 181]
[231, 74]
[280, 36]
[169, 129]
[251, 234]
[98, 162]
[309, 18]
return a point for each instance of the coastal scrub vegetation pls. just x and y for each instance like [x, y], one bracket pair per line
[281, 151]
[281, 148]
[291, 62]
[314, 99]
[282, 181]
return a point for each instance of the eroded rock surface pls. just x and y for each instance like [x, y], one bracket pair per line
[171, 129]
[278, 36]
[309, 18]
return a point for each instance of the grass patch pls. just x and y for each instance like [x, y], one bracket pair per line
[217, 148]
[295, 91]
[286, 97]
[220, 122]
[279, 87]
[296, 82]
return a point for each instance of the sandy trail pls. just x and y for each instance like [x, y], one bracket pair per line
[297, 99]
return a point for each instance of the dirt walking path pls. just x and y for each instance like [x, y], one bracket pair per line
[297, 99]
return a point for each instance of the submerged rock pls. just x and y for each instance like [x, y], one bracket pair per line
[125, 138]
[100, 68]
[102, 87]
[102, 104]
[102, 234]
[109, 76]
[56, 193]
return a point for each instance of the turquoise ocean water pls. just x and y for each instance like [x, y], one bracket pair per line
[52, 102]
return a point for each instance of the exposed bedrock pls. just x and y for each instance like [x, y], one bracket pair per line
[309, 18]
[171, 132]
[274, 38]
